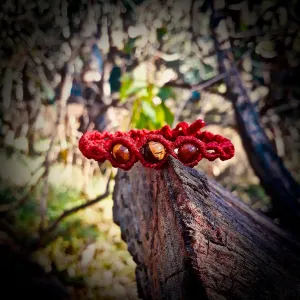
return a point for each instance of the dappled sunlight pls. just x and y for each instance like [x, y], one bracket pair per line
[72, 68]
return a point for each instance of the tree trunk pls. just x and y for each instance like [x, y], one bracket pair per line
[192, 239]
[267, 165]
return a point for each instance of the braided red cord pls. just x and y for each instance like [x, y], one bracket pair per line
[99, 145]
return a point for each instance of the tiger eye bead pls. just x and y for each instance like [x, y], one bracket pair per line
[121, 154]
[187, 153]
[154, 152]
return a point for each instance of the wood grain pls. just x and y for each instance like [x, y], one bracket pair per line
[192, 239]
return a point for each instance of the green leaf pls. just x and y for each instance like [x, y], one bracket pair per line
[150, 92]
[169, 117]
[134, 90]
[160, 116]
[149, 111]
[136, 111]
[165, 93]
[126, 83]
[208, 69]
[141, 122]
[130, 45]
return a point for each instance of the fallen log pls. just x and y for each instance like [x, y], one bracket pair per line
[193, 239]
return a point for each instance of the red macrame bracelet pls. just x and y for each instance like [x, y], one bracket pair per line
[151, 147]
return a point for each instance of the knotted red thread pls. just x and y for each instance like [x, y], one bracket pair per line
[185, 142]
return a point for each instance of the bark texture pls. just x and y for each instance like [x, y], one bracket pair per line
[192, 239]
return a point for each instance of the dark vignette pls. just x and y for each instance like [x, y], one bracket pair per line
[275, 49]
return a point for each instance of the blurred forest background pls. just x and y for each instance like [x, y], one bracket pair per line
[71, 66]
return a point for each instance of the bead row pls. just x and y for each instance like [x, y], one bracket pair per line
[185, 142]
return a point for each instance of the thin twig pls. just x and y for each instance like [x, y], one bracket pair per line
[65, 89]
[205, 84]
[75, 209]
[198, 87]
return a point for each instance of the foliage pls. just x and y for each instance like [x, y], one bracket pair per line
[153, 57]
[88, 253]
[146, 113]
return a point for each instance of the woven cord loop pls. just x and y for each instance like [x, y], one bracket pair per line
[151, 147]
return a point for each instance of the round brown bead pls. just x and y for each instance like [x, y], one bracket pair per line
[154, 152]
[188, 152]
[121, 154]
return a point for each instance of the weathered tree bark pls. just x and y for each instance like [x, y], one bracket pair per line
[192, 239]
[276, 180]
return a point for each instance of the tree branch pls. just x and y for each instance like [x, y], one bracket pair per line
[75, 209]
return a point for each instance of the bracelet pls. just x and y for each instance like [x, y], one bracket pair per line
[151, 147]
